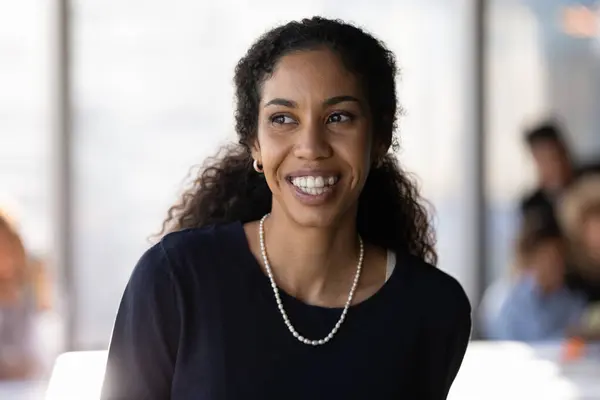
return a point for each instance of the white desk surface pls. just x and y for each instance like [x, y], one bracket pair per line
[516, 371]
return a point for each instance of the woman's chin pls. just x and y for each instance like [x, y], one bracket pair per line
[314, 220]
[322, 217]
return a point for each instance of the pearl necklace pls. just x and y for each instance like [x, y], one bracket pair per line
[286, 319]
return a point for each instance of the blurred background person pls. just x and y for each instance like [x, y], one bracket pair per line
[554, 169]
[580, 216]
[17, 307]
[538, 306]
[40, 281]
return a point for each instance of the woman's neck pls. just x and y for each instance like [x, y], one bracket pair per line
[312, 264]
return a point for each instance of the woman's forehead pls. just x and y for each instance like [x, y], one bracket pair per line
[315, 73]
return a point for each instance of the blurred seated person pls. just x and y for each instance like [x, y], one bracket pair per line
[16, 307]
[538, 305]
[554, 168]
[40, 282]
[580, 215]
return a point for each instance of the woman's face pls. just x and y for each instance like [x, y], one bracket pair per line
[314, 138]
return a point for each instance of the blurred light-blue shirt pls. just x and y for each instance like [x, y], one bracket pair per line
[528, 315]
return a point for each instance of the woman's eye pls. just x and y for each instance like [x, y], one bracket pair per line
[337, 118]
[282, 120]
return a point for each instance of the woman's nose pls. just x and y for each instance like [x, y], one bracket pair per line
[312, 143]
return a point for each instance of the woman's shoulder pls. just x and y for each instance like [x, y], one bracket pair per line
[206, 236]
[177, 253]
[440, 291]
[441, 304]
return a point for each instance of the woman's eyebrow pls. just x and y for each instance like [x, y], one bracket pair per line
[281, 102]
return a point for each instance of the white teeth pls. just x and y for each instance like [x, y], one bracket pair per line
[314, 185]
[313, 191]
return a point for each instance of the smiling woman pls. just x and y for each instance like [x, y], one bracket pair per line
[301, 254]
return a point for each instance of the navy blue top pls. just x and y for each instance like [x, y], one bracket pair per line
[198, 321]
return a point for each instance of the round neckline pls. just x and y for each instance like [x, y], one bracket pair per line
[265, 286]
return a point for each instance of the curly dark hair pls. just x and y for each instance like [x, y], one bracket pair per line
[391, 213]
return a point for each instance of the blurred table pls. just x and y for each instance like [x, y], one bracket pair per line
[77, 376]
[516, 371]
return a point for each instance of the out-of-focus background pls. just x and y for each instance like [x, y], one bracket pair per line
[105, 106]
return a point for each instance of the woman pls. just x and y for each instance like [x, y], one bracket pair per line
[298, 269]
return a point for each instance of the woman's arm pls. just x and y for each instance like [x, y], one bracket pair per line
[143, 348]
[446, 339]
